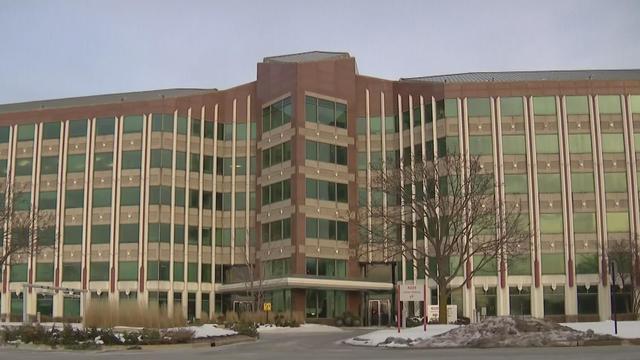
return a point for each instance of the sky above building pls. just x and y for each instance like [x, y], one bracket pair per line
[55, 49]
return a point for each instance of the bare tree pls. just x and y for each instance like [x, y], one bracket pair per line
[22, 225]
[253, 282]
[447, 212]
[624, 254]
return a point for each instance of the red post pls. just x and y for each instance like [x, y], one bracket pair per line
[398, 306]
[424, 302]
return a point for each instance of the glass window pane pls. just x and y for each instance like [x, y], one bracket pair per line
[326, 112]
[615, 182]
[617, 222]
[101, 198]
[612, 143]
[130, 196]
[131, 159]
[74, 199]
[480, 145]
[513, 145]
[609, 104]
[24, 166]
[100, 234]
[129, 233]
[551, 224]
[580, 143]
[515, 184]
[75, 163]
[103, 162]
[582, 182]
[547, 144]
[584, 223]
[72, 235]
[26, 132]
[552, 264]
[105, 126]
[49, 165]
[549, 183]
[78, 128]
[511, 106]
[51, 130]
[132, 124]
[310, 109]
[544, 105]
[577, 105]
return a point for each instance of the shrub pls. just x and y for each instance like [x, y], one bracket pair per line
[244, 328]
[177, 336]
[104, 314]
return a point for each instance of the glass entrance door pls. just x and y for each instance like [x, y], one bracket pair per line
[379, 311]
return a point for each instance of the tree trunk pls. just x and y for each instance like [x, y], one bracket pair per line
[442, 304]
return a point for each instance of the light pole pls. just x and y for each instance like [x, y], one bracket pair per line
[613, 297]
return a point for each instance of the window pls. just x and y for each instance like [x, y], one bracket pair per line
[159, 232]
[74, 199]
[101, 198]
[277, 114]
[132, 124]
[105, 126]
[480, 145]
[75, 163]
[615, 182]
[101, 234]
[612, 143]
[103, 162]
[192, 272]
[276, 230]
[551, 223]
[276, 268]
[71, 271]
[274, 155]
[325, 303]
[544, 105]
[609, 104]
[511, 106]
[130, 196]
[72, 235]
[584, 223]
[549, 183]
[208, 164]
[276, 192]
[178, 271]
[223, 237]
[18, 273]
[44, 272]
[131, 159]
[519, 301]
[161, 158]
[159, 195]
[326, 267]
[4, 134]
[129, 233]
[99, 271]
[547, 144]
[48, 200]
[181, 160]
[162, 122]
[158, 270]
[552, 264]
[178, 234]
[520, 264]
[580, 143]
[513, 145]
[553, 300]
[515, 184]
[77, 128]
[49, 165]
[479, 107]
[327, 229]
[326, 112]
[180, 197]
[24, 166]
[582, 182]
[617, 221]
[577, 105]
[587, 263]
[326, 190]
[128, 271]
[330, 153]
[587, 300]
[26, 132]
[51, 130]
[487, 300]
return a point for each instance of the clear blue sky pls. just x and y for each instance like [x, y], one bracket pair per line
[53, 49]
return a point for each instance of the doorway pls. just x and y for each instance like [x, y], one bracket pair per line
[379, 311]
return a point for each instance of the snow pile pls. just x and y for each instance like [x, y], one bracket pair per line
[626, 329]
[406, 337]
[205, 331]
[307, 328]
[511, 332]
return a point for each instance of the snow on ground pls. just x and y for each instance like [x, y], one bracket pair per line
[206, 331]
[309, 328]
[505, 333]
[410, 335]
[626, 329]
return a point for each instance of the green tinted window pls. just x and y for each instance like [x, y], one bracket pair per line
[75, 163]
[617, 222]
[311, 109]
[105, 126]
[549, 183]
[341, 115]
[103, 162]
[376, 125]
[132, 124]
[128, 270]
[544, 105]
[130, 196]
[515, 184]
[582, 182]
[451, 107]
[51, 130]
[609, 104]
[24, 166]
[4, 134]
[479, 107]
[326, 112]
[612, 143]
[552, 264]
[513, 145]
[3, 167]
[615, 182]
[44, 271]
[547, 144]
[577, 105]
[26, 132]
[74, 199]
[580, 143]
[192, 272]
[520, 265]
[161, 158]
[101, 234]
[72, 235]
[480, 145]
[49, 165]
[129, 233]
[635, 104]
[101, 198]
[131, 159]
[551, 223]
[99, 271]
[18, 273]
[78, 128]
[511, 106]
[584, 223]
[47, 200]
[586, 263]
[178, 271]
[71, 271]
[182, 125]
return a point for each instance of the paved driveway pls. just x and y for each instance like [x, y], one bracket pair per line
[311, 346]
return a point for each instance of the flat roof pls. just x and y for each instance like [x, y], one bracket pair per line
[544, 75]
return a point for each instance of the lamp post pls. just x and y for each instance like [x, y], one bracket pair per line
[613, 297]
